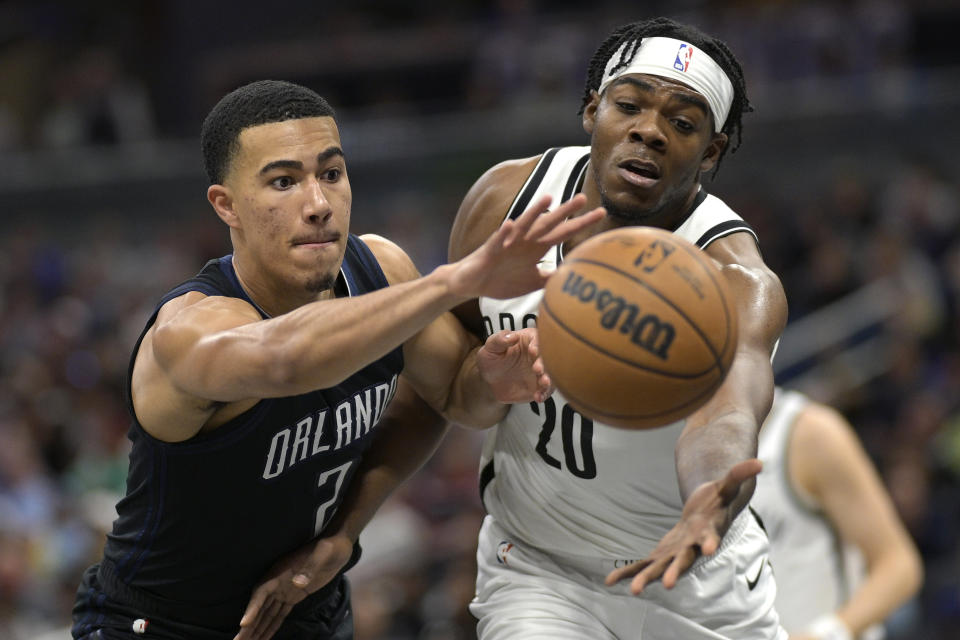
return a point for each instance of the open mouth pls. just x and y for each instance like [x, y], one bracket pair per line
[641, 169]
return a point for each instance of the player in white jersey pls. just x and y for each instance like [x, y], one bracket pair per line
[574, 504]
[827, 514]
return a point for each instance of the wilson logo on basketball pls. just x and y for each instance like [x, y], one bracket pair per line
[647, 331]
[637, 327]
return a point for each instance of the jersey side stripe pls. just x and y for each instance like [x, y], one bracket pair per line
[526, 195]
[486, 476]
[159, 499]
[144, 537]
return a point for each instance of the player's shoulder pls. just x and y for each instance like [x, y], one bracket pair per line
[502, 180]
[721, 230]
[397, 266]
[486, 204]
[197, 303]
[726, 236]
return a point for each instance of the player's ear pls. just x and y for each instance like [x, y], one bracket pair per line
[221, 199]
[712, 153]
[590, 112]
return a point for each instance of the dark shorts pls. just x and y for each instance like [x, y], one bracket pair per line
[111, 611]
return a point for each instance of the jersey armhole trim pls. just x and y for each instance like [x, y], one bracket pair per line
[530, 186]
[725, 229]
[576, 178]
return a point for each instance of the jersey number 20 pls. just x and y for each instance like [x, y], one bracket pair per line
[577, 452]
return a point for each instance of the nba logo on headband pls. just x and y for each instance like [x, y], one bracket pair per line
[683, 57]
[653, 56]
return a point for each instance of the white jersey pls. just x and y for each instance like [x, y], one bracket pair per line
[554, 478]
[815, 572]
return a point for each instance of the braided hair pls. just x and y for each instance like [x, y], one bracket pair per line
[253, 104]
[634, 32]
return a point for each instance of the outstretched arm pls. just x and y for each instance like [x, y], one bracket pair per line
[828, 463]
[207, 351]
[715, 454]
[406, 437]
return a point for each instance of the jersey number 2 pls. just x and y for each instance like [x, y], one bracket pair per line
[332, 477]
[577, 452]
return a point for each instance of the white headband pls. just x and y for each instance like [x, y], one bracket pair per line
[678, 60]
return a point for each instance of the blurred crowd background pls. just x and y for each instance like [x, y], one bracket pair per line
[847, 171]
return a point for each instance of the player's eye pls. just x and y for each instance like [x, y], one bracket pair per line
[628, 107]
[283, 182]
[333, 174]
[683, 125]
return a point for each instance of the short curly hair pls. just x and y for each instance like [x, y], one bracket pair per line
[665, 27]
[253, 104]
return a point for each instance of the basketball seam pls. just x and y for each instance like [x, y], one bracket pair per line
[590, 408]
[723, 299]
[717, 362]
[613, 356]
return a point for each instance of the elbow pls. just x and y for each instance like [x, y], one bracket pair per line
[910, 565]
[475, 424]
[454, 415]
[476, 417]
[903, 567]
[913, 571]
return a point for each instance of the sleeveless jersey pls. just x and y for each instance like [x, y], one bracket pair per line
[553, 477]
[204, 519]
[816, 573]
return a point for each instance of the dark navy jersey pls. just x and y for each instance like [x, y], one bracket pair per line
[204, 519]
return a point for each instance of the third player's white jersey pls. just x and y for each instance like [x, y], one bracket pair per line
[815, 572]
[549, 475]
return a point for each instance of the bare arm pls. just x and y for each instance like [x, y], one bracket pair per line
[715, 454]
[405, 439]
[482, 211]
[450, 369]
[208, 351]
[724, 431]
[828, 463]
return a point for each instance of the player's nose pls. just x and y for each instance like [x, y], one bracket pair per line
[646, 127]
[316, 208]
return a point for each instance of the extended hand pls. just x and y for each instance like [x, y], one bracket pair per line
[505, 266]
[510, 363]
[288, 582]
[705, 518]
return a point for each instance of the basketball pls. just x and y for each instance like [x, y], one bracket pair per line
[637, 327]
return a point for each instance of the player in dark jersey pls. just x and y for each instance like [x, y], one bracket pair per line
[260, 388]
